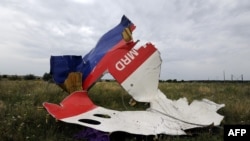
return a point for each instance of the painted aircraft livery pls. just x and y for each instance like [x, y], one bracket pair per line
[137, 70]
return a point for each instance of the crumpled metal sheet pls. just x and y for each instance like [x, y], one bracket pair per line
[165, 116]
[149, 122]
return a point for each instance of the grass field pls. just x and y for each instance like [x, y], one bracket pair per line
[22, 116]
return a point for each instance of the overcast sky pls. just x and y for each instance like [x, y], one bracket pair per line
[198, 39]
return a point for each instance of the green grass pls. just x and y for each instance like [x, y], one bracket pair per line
[23, 118]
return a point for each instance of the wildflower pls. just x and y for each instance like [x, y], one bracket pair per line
[92, 135]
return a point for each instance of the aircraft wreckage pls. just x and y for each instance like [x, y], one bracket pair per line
[137, 70]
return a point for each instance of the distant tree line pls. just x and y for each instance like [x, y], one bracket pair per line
[48, 77]
[45, 77]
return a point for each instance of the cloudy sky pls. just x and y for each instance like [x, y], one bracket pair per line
[198, 39]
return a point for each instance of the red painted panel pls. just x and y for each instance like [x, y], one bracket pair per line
[76, 103]
[112, 55]
[127, 61]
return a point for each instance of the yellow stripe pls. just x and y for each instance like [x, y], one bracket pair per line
[73, 82]
[127, 34]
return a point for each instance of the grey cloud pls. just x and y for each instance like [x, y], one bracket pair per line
[197, 38]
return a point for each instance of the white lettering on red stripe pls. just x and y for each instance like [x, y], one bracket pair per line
[126, 60]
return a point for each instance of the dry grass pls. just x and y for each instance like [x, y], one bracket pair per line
[22, 119]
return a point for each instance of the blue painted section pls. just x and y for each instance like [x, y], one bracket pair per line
[61, 66]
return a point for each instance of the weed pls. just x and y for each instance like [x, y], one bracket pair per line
[22, 116]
